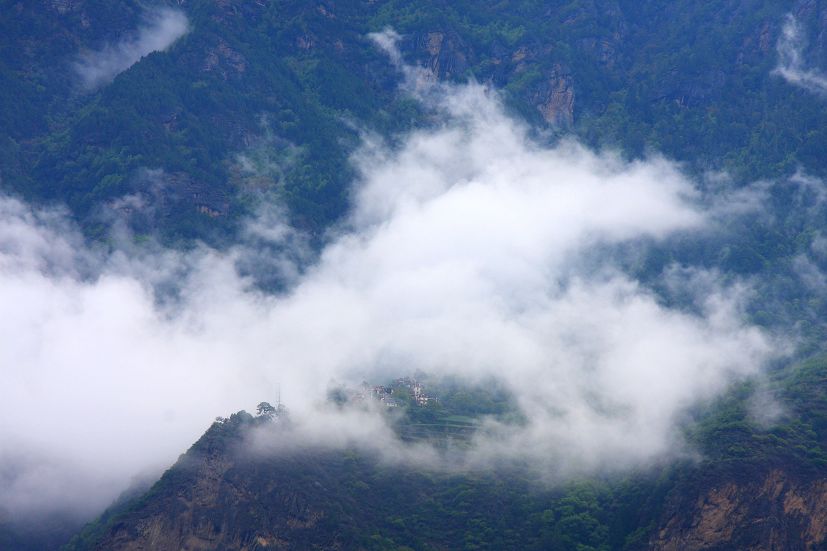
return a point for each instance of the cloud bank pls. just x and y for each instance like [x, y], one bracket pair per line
[471, 251]
[161, 28]
[791, 64]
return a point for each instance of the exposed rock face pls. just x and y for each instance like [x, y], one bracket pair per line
[204, 505]
[229, 9]
[159, 193]
[225, 60]
[187, 190]
[187, 523]
[214, 501]
[227, 494]
[556, 102]
[446, 57]
[63, 6]
[776, 510]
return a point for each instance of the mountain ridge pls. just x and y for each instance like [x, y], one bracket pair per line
[753, 488]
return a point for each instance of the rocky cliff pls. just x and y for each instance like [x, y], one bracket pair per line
[753, 510]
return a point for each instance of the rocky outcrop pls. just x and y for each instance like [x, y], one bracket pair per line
[160, 531]
[444, 52]
[774, 511]
[63, 6]
[207, 199]
[556, 101]
[159, 193]
[224, 60]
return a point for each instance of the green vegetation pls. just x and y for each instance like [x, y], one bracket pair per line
[691, 81]
[288, 86]
[361, 502]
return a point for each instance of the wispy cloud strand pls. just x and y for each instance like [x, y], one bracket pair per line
[791, 65]
[161, 28]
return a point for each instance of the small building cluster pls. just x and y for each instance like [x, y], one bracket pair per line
[366, 391]
[385, 394]
[416, 390]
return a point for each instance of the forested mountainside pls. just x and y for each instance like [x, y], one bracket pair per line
[141, 139]
[290, 84]
[754, 488]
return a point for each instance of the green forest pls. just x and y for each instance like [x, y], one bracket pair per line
[267, 105]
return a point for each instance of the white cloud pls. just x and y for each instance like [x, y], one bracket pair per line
[791, 65]
[461, 257]
[810, 274]
[417, 81]
[161, 28]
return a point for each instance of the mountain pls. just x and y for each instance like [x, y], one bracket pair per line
[173, 126]
[754, 488]
[292, 83]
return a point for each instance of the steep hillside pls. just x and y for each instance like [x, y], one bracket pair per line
[289, 84]
[181, 120]
[752, 509]
[752, 488]
[219, 496]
